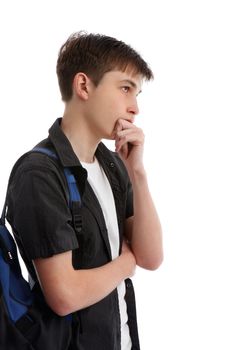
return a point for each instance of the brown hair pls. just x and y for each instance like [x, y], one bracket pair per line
[95, 55]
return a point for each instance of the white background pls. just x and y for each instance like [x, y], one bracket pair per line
[183, 305]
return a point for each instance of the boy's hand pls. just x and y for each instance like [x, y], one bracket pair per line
[129, 142]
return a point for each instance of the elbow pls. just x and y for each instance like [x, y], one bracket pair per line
[59, 306]
[62, 310]
[62, 304]
[152, 263]
[65, 298]
[155, 264]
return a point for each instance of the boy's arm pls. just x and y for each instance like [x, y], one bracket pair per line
[143, 230]
[67, 290]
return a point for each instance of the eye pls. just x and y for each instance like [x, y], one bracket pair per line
[126, 88]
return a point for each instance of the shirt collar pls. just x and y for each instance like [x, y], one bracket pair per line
[62, 145]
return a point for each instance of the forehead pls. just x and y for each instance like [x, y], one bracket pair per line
[117, 76]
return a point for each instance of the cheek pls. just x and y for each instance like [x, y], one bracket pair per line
[107, 111]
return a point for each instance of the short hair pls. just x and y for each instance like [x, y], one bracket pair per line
[95, 55]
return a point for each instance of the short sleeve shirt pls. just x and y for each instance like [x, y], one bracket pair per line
[41, 219]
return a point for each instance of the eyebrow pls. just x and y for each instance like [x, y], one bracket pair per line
[132, 83]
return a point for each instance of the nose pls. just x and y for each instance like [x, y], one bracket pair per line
[133, 109]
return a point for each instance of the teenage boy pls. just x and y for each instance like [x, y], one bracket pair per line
[87, 272]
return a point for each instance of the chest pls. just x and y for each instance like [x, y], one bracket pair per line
[100, 210]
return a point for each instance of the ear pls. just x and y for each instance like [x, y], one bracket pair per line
[81, 85]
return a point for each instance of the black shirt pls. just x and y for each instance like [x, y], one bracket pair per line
[42, 224]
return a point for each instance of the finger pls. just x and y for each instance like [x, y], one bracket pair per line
[124, 151]
[128, 132]
[125, 246]
[125, 124]
[124, 132]
[119, 125]
[121, 146]
[134, 138]
[120, 143]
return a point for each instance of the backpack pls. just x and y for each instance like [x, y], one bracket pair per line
[26, 323]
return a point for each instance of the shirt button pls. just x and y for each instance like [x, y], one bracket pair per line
[112, 165]
[128, 285]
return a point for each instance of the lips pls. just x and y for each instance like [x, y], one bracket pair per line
[131, 120]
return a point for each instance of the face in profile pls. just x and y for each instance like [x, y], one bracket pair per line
[114, 98]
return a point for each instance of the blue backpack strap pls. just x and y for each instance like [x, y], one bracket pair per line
[46, 151]
[75, 199]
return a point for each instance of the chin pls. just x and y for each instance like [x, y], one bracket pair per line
[108, 136]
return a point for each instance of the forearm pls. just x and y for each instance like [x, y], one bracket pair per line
[67, 290]
[90, 286]
[146, 232]
[144, 229]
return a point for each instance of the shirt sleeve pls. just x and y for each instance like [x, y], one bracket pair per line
[39, 213]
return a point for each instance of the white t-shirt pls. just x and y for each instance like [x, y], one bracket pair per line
[102, 189]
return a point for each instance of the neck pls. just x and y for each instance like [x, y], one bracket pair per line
[82, 139]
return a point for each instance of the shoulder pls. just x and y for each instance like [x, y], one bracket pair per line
[36, 160]
[36, 165]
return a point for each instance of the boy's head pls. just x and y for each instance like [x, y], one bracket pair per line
[95, 55]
